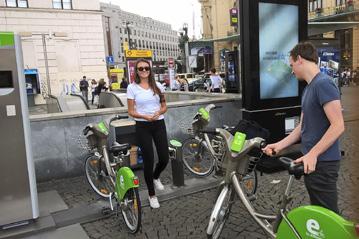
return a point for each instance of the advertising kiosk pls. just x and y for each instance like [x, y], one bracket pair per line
[18, 197]
[271, 94]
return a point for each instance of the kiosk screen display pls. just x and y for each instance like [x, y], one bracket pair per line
[6, 79]
[278, 34]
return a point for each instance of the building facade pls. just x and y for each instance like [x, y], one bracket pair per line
[217, 27]
[71, 31]
[348, 36]
[215, 19]
[124, 29]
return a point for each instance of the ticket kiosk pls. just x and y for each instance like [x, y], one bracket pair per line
[18, 193]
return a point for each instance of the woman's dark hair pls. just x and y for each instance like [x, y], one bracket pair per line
[151, 80]
[306, 50]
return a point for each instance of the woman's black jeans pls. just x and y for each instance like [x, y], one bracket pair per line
[146, 133]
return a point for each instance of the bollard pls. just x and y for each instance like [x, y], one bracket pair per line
[175, 151]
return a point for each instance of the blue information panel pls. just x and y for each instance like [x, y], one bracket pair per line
[329, 58]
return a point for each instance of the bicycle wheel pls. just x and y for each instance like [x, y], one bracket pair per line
[197, 157]
[131, 210]
[220, 212]
[97, 177]
[250, 182]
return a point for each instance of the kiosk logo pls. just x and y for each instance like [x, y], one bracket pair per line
[313, 229]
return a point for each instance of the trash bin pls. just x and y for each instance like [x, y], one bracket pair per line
[175, 151]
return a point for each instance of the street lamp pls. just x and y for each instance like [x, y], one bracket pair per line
[183, 39]
[127, 25]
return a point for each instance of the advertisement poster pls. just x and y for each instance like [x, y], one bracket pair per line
[278, 34]
[329, 61]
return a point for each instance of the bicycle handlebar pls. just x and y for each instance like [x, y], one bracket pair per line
[296, 169]
[118, 117]
[209, 131]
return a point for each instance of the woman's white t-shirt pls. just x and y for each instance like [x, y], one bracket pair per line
[146, 103]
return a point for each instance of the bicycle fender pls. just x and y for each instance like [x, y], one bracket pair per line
[125, 179]
[316, 222]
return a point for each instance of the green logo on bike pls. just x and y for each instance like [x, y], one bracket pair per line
[313, 229]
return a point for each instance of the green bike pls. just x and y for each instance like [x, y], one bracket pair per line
[108, 177]
[302, 222]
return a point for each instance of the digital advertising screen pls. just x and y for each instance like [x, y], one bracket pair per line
[329, 58]
[278, 34]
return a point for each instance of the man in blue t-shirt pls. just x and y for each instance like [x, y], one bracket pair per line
[320, 127]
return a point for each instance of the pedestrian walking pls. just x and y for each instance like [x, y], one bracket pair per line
[319, 129]
[93, 90]
[147, 105]
[84, 88]
[123, 84]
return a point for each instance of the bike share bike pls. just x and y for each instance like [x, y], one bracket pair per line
[301, 222]
[204, 153]
[108, 177]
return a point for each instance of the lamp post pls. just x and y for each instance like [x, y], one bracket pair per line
[127, 24]
[183, 39]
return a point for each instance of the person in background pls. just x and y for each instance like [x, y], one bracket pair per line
[93, 90]
[123, 84]
[101, 87]
[84, 88]
[147, 105]
[321, 124]
[216, 82]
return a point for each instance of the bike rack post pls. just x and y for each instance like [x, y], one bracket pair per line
[175, 151]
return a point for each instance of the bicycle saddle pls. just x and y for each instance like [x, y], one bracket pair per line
[293, 169]
[116, 147]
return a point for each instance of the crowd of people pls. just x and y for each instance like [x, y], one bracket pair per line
[349, 77]
[95, 87]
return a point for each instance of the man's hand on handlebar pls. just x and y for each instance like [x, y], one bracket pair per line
[309, 162]
[272, 149]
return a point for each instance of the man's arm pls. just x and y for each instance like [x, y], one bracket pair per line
[292, 138]
[333, 111]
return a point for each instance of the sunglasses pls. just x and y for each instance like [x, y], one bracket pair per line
[146, 68]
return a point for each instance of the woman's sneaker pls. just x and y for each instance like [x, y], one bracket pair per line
[154, 202]
[158, 184]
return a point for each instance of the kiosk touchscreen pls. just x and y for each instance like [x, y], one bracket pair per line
[18, 198]
[271, 93]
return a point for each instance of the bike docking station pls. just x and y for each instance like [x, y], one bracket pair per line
[271, 94]
[175, 151]
[19, 198]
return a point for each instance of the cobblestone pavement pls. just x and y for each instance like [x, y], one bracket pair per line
[187, 217]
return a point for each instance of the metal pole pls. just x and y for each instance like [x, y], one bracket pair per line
[46, 65]
[128, 35]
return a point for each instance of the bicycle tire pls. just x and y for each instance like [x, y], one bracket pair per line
[250, 183]
[197, 158]
[220, 212]
[96, 176]
[131, 210]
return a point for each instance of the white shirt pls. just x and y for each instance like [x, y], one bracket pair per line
[216, 81]
[146, 103]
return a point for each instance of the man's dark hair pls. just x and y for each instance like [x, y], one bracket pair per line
[213, 70]
[306, 50]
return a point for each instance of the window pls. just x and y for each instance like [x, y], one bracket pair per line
[340, 2]
[62, 4]
[17, 3]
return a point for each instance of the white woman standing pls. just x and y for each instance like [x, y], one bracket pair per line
[147, 104]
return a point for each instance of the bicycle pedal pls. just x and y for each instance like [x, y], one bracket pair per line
[252, 197]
